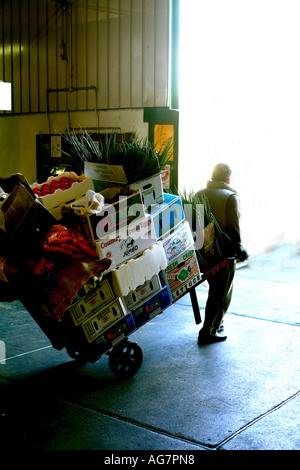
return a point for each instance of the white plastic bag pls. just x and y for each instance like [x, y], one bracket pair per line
[91, 203]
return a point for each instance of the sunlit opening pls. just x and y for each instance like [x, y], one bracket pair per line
[240, 104]
[5, 96]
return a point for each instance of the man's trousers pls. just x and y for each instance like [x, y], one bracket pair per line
[219, 298]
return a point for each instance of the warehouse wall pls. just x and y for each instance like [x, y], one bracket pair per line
[85, 54]
[18, 134]
[93, 63]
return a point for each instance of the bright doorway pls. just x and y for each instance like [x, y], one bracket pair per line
[240, 104]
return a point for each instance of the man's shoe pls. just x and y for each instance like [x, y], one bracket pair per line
[209, 339]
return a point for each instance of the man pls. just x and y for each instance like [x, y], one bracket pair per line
[224, 206]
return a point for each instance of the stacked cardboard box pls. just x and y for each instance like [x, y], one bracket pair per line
[182, 271]
[153, 261]
[141, 249]
[145, 237]
[104, 175]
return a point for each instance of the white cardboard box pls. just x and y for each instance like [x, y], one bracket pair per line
[177, 241]
[105, 174]
[142, 293]
[56, 201]
[151, 189]
[93, 301]
[183, 273]
[115, 216]
[128, 276]
[100, 321]
[167, 215]
[128, 243]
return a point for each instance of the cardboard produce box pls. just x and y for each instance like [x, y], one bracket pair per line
[115, 216]
[128, 276]
[95, 325]
[114, 334]
[62, 190]
[151, 189]
[128, 243]
[104, 175]
[152, 307]
[178, 240]
[120, 330]
[141, 293]
[167, 215]
[91, 303]
[183, 273]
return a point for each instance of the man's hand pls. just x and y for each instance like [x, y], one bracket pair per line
[242, 255]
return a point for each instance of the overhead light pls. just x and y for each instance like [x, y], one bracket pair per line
[5, 96]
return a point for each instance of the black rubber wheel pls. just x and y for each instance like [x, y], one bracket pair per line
[125, 359]
[73, 353]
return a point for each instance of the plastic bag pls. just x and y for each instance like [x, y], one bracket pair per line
[90, 204]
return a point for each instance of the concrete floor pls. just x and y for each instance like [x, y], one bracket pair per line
[242, 394]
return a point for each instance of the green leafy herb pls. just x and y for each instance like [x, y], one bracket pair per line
[139, 157]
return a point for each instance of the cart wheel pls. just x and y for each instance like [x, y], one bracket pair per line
[73, 353]
[125, 359]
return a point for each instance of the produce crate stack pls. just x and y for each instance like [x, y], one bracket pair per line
[108, 260]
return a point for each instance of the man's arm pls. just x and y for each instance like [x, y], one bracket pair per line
[233, 227]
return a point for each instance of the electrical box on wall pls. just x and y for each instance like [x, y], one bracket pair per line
[50, 157]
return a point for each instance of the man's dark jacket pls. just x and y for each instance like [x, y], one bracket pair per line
[224, 205]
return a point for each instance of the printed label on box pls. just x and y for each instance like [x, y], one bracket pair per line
[177, 241]
[93, 301]
[116, 333]
[104, 175]
[152, 307]
[151, 190]
[105, 172]
[167, 215]
[99, 322]
[141, 293]
[183, 273]
[129, 243]
[120, 330]
[116, 216]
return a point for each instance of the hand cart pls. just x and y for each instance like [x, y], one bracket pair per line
[125, 357]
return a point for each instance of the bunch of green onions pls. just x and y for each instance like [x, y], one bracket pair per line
[139, 157]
